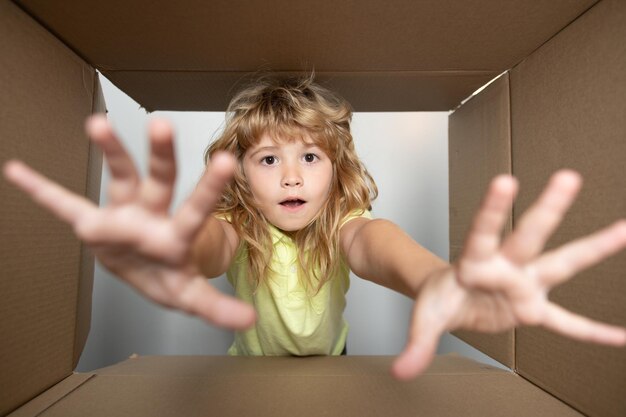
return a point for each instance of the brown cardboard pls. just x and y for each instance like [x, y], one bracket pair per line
[87, 265]
[47, 92]
[407, 55]
[368, 91]
[411, 58]
[39, 404]
[479, 148]
[570, 90]
[274, 386]
[568, 110]
[235, 366]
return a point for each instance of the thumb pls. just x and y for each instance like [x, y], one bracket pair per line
[193, 212]
[201, 299]
[222, 165]
[420, 349]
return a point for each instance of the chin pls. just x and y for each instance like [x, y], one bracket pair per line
[290, 229]
[292, 226]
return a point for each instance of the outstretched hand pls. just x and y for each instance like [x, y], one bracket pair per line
[497, 285]
[134, 236]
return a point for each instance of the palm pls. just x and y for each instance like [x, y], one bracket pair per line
[135, 236]
[152, 238]
[497, 285]
[146, 250]
[524, 303]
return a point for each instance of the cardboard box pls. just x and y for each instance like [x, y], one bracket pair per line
[560, 103]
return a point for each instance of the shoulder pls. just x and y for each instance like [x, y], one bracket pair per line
[225, 220]
[355, 214]
[350, 225]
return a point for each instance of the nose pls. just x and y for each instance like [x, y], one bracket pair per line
[291, 177]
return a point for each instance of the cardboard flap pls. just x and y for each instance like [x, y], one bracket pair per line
[479, 148]
[87, 263]
[44, 401]
[169, 56]
[367, 91]
[568, 111]
[271, 365]
[47, 92]
[313, 386]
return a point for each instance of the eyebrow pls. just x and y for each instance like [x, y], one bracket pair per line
[307, 146]
[263, 148]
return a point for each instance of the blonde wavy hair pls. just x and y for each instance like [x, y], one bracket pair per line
[286, 110]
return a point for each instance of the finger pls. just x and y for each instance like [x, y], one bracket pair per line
[156, 191]
[421, 348]
[582, 328]
[417, 356]
[484, 237]
[539, 222]
[124, 178]
[560, 264]
[64, 204]
[193, 212]
[201, 299]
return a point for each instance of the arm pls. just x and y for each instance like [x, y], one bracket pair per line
[215, 247]
[379, 251]
[497, 283]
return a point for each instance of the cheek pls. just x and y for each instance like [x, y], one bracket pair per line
[261, 185]
[331, 174]
[256, 186]
[327, 179]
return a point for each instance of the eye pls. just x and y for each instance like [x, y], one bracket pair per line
[310, 157]
[268, 160]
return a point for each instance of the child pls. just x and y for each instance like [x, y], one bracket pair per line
[283, 208]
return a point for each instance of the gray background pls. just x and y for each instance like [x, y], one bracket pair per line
[406, 153]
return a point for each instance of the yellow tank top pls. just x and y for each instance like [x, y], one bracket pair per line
[288, 321]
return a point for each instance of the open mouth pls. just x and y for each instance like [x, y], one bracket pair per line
[296, 202]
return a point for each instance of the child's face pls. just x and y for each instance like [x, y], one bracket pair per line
[289, 180]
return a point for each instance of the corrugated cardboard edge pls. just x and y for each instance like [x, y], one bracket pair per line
[53, 395]
[87, 261]
[479, 135]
